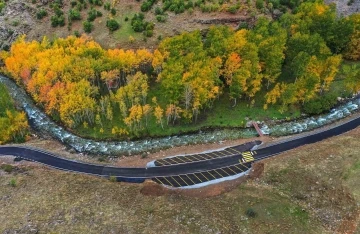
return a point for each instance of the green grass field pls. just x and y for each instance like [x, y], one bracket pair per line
[126, 31]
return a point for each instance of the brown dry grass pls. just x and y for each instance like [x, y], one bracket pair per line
[126, 8]
[312, 189]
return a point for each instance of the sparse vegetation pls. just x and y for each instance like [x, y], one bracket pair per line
[306, 206]
[2, 5]
[250, 212]
[41, 13]
[12, 182]
[140, 25]
[7, 168]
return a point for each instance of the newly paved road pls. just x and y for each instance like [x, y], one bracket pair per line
[183, 174]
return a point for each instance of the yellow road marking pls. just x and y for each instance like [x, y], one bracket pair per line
[219, 173]
[197, 177]
[236, 152]
[170, 159]
[201, 156]
[225, 171]
[181, 159]
[220, 152]
[204, 176]
[231, 170]
[175, 181]
[211, 175]
[244, 165]
[196, 157]
[190, 179]
[211, 156]
[183, 180]
[228, 152]
[239, 168]
[249, 159]
[168, 181]
[193, 158]
[187, 158]
[214, 153]
[159, 181]
[158, 161]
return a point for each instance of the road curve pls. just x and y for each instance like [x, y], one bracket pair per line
[138, 175]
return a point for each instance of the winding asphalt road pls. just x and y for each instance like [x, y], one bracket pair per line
[138, 175]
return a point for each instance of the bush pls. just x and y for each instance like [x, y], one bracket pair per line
[7, 168]
[12, 182]
[148, 33]
[2, 5]
[243, 25]
[73, 3]
[99, 14]
[320, 104]
[232, 9]
[41, 13]
[161, 18]
[61, 21]
[74, 15]
[57, 21]
[275, 3]
[250, 212]
[107, 6]
[92, 14]
[113, 178]
[96, 2]
[112, 25]
[158, 11]
[145, 6]
[113, 11]
[259, 4]
[88, 26]
[137, 22]
[58, 11]
[76, 34]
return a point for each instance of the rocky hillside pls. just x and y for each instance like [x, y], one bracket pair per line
[346, 7]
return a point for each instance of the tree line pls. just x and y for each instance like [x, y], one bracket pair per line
[79, 83]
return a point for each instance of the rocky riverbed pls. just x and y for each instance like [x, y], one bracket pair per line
[44, 125]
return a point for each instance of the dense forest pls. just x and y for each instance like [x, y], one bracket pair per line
[290, 62]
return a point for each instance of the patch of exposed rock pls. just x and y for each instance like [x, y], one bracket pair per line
[345, 7]
[17, 18]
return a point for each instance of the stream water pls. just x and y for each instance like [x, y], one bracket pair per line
[42, 123]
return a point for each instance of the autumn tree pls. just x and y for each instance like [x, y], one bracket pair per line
[352, 77]
[352, 50]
